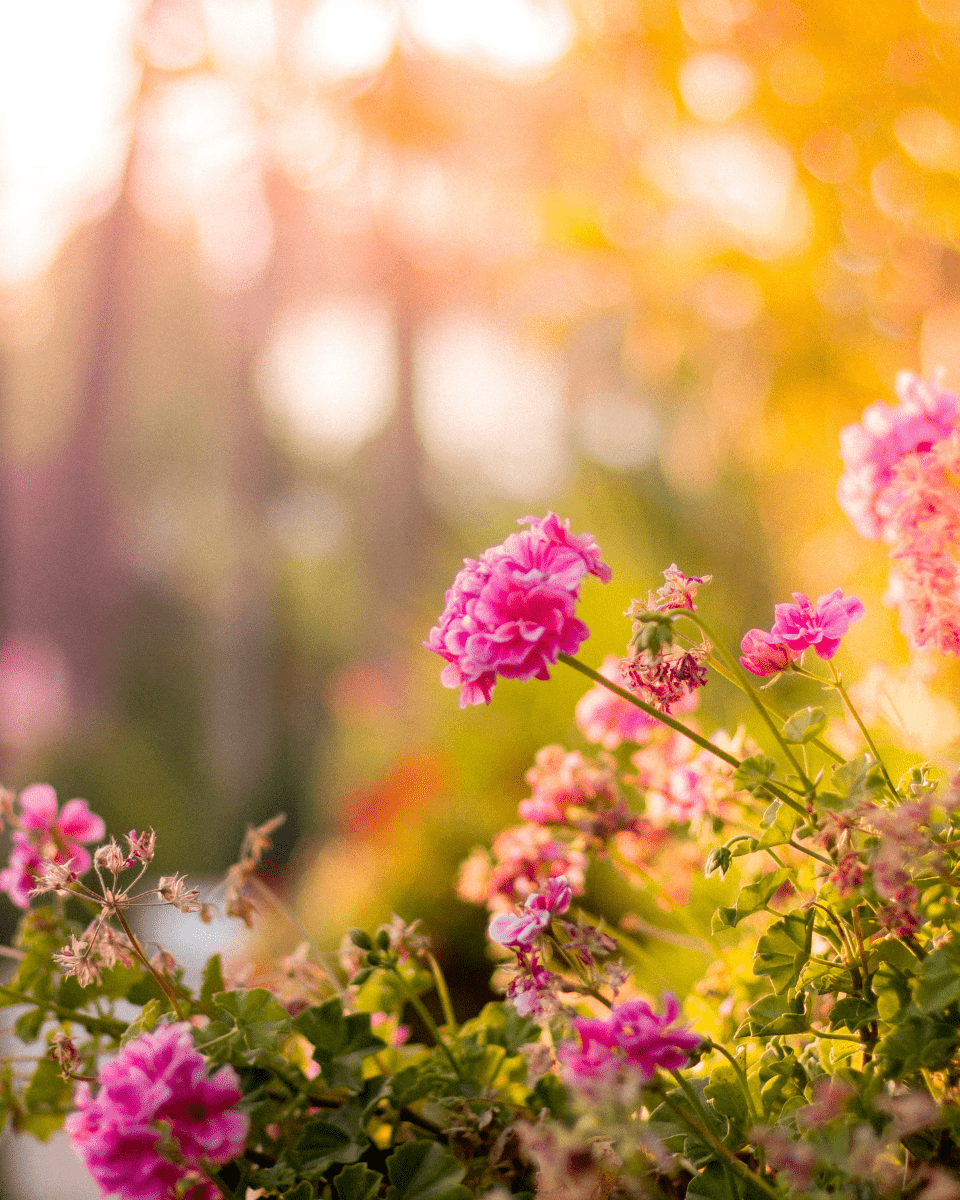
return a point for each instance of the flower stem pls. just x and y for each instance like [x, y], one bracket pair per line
[425, 1017]
[443, 992]
[162, 982]
[662, 717]
[838, 684]
[105, 1025]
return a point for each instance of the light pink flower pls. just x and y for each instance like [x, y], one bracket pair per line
[157, 1086]
[47, 835]
[523, 929]
[802, 626]
[631, 1038]
[560, 779]
[607, 719]
[763, 653]
[871, 450]
[512, 613]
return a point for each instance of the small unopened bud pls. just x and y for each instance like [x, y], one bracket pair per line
[64, 1053]
[109, 858]
[361, 939]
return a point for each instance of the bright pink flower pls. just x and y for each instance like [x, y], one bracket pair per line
[523, 929]
[512, 613]
[631, 1038]
[605, 718]
[801, 626]
[157, 1087]
[871, 450]
[47, 835]
[763, 653]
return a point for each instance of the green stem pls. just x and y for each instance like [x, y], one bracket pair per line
[741, 1075]
[162, 982]
[751, 692]
[105, 1025]
[425, 1017]
[441, 984]
[662, 717]
[838, 684]
[714, 1142]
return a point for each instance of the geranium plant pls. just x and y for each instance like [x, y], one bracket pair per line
[818, 1054]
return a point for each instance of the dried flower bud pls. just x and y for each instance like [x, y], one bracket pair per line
[109, 858]
[172, 889]
[64, 1053]
[78, 960]
[55, 877]
[141, 846]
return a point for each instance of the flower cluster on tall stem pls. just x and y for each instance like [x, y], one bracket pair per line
[45, 834]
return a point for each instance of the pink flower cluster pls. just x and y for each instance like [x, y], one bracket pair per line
[511, 614]
[872, 449]
[522, 930]
[46, 835]
[562, 779]
[797, 627]
[681, 783]
[525, 858]
[608, 720]
[631, 1039]
[154, 1097]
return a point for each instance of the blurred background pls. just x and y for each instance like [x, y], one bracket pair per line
[301, 301]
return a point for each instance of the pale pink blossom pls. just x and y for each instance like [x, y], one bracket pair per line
[539, 909]
[512, 613]
[820, 627]
[872, 449]
[561, 779]
[157, 1088]
[678, 591]
[524, 858]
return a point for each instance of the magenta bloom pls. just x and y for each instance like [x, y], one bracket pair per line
[539, 909]
[801, 626]
[763, 653]
[47, 835]
[160, 1077]
[871, 450]
[631, 1038]
[513, 613]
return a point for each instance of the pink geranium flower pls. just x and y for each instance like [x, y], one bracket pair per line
[631, 1039]
[764, 653]
[523, 929]
[874, 447]
[47, 834]
[801, 626]
[512, 613]
[156, 1088]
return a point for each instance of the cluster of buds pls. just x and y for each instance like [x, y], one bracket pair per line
[657, 668]
[391, 945]
[242, 875]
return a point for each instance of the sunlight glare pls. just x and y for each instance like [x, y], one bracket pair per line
[342, 39]
[508, 35]
[330, 374]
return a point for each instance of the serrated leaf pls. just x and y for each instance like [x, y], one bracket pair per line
[859, 779]
[805, 725]
[753, 773]
[425, 1171]
[853, 1013]
[340, 1040]
[780, 830]
[256, 1014]
[782, 952]
[358, 1182]
[27, 1027]
[772, 1016]
[752, 899]
[303, 1191]
[323, 1143]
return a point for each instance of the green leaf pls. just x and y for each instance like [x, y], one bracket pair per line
[358, 1183]
[425, 1171]
[751, 899]
[28, 1026]
[852, 1013]
[711, 1182]
[780, 830]
[500, 1024]
[256, 1014]
[45, 1097]
[782, 952]
[549, 1093]
[725, 1092]
[212, 980]
[340, 1040]
[805, 725]
[859, 779]
[323, 1143]
[753, 773]
[938, 982]
[772, 1016]
[148, 1018]
[303, 1191]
